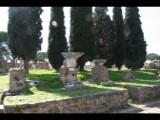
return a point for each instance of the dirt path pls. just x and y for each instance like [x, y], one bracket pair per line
[149, 107]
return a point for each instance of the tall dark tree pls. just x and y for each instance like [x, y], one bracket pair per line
[135, 43]
[104, 36]
[82, 34]
[119, 37]
[57, 40]
[24, 30]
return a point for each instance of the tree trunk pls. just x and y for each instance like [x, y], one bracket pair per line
[119, 68]
[81, 68]
[26, 65]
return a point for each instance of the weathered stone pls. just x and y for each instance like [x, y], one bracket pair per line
[74, 85]
[17, 80]
[3, 70]
[142, 93]
[100, 74]
[128, 76]
[68, 72]
[98, 62]
[94, 103]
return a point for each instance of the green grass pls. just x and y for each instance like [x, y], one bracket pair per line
[50, 85]
[143, 78]
[4, 81]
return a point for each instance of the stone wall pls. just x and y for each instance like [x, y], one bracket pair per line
[143, 93]
[95, 103]
[44, 65]
[3, 70]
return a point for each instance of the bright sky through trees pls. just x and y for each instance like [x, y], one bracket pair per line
[150, 18]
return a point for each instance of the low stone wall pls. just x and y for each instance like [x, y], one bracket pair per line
[142, 93]
[3, 70]
[95, 103]
[44, 65]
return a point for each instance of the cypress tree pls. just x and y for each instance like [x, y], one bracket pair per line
[135, 44]
[57, 40]
[24, 31]
[119, 37]
[104, 36]
[82, 34]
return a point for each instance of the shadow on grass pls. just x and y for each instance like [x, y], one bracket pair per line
[146, 77]
[52, 84]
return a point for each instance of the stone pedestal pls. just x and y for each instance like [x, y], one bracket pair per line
[128, 76]
[99, 72]
[68, 72]
[17, 80]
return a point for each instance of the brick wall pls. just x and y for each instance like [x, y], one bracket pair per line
[142, 93]
[94, 103]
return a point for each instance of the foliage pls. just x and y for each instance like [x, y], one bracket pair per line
[153, 56]
[119, 37]
[24, 30]
[82, 34]
[104, 36]
[57, 40]
[135, 44]
[40, 57]
[4, 51]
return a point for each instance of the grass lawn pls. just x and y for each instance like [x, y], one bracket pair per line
[50, 86]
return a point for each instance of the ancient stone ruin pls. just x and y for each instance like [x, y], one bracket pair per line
[100, 72]
[158, 73]
[3, 67]
[17, 79]
[68, 72]
[128, 76]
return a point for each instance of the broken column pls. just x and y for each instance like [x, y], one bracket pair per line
[17, 79]
[100, 72]
[68, 72]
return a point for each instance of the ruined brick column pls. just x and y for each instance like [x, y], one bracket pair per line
[17, 79]
[68, 72]
[99, 72]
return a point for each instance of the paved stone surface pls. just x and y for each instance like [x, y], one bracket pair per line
[150, 107]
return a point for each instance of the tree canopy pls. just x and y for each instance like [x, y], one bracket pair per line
[24, 30]
[135, 43]
[104, 36]
[153, 56]
[5, 54]
[57, 40]
[82, 34]
[119, 37]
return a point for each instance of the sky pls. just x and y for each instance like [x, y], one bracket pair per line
[149, 16]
